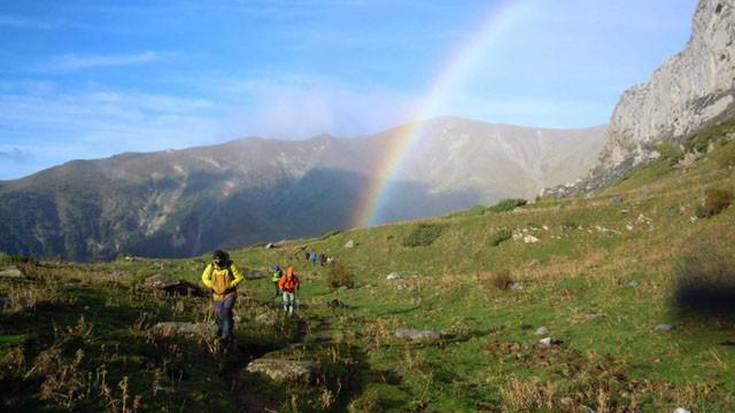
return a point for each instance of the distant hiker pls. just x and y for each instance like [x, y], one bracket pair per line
[222, 276]
[288, 285]
[307, 255]
[313, 258]
[322, 259]
[275, 278]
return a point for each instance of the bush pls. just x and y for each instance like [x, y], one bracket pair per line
[500, 236]
[715, 201]
[705, 277]
[423, 235]
[726, 158]
[669, 153]
[507, 205]
[339, 276]
[501, 280]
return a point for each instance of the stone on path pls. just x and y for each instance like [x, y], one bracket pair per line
[281, 370]
[633, 284]
[350, 244]
[414, 334]
[681, 410]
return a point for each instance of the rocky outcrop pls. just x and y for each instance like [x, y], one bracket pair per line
[691, 90]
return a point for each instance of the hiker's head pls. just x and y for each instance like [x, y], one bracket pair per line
[220, 257]
[289, 272]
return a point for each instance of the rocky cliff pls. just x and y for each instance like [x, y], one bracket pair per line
[691, 90]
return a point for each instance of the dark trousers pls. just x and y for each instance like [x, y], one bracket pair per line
[224, 316]
[276, 290]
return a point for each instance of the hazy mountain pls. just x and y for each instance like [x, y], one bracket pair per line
[182, 202]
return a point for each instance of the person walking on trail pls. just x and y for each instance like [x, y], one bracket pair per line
[222, 276]
[288, 284]
[275, 278]
[313, 258]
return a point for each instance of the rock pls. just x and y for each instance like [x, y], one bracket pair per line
[270, 245]
[515, 286]
[594, 316]
[394, 376]
[549, 341]
[665, 327]
[616, 200]
[681, 410]
[267, 319]
[530, 239]
[160, 281]
[350, 244]
[183, 329]
[633, 284]
[11, 272]
[542, 331]
[392, 276]
[281, 370]
[172, 286]
[413, 334]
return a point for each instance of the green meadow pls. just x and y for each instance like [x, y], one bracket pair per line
[609, 274]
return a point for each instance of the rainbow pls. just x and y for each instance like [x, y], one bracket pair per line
[459, 65]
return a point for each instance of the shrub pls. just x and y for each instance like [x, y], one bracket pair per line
[339, 276]
[507, 205]
[423, 235]
[715, 201]
[501, 280]
[726, 158]
[500, 236]
[705, 277]
[669, 152]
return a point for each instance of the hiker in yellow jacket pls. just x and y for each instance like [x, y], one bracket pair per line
[222, 276]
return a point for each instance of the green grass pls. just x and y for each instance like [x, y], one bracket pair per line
[574, 281]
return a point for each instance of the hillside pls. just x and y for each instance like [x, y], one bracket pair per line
[601, 272]
[176, 203]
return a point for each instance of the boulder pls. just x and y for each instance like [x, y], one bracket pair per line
[183, 329]
[11, 272]
[172, 286]
[681, 410]
[392, 276]
[542, 331]
[350, 244]
[548, 342]
[269, 245]
[281, 370]
[160, 281]
[633, 284]
[413, 334]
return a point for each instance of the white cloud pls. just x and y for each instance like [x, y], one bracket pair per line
[72, 62]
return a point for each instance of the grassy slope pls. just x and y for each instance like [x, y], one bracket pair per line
[589, 249]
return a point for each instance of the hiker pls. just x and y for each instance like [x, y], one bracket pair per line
[288, 284]
[307, 255]
[277, 274]
[222, 276]
[313, 258]
[322, 259]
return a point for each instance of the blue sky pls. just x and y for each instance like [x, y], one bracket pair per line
[87, 79]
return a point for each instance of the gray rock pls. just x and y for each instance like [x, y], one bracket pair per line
[542, 331]
[665, 327]
[633, 284]
[515, 286]
[183, 329]
[681, 410]
[392, 276]
[281, 370]
[413, 334]
[11, 272]
[616, 200]
[160, 281]
[269, 245]
[350, 244]
[549, 341]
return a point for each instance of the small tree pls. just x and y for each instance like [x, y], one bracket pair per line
[339, 275]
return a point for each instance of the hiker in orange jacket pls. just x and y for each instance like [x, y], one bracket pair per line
[222, 276]
[288, 284]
